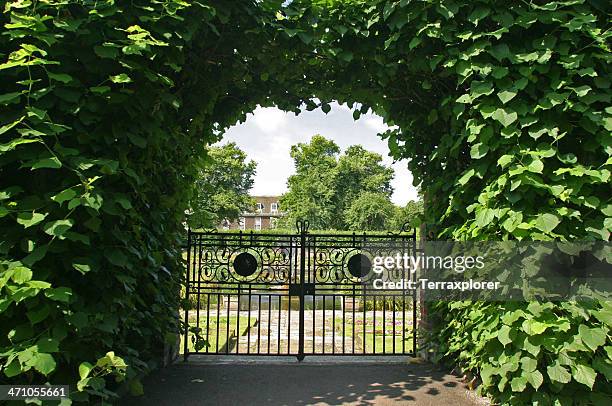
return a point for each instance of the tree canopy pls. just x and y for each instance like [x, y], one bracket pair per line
[222, 187]
[338, 191]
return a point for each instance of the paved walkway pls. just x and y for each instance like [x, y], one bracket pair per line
[278, 331]
[286, 382]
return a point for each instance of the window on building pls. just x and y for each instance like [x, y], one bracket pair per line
[274, 207]
[260, 207]
[242, 223]
[257, 223]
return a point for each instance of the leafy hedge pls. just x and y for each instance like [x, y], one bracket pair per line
[540, 353]
[502, 108]
[105, 111]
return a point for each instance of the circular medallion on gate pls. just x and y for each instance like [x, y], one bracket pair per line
[359, 265]
[245, 264]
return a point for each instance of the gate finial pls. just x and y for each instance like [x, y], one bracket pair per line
[302, 226]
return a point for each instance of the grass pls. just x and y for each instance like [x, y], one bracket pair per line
[221, 341]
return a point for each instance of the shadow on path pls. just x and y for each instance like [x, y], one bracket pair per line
[301, 384]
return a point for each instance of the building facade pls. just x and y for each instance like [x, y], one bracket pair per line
[267, 212]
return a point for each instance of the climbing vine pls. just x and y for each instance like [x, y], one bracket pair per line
[502, 109]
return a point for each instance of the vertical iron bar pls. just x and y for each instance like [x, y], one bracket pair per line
[199, 288]
[363, 300]
[384, 337]
[393, 323]
[414, 301]
[343, 322]
[278, 326]
[403, 302]
[207, 321]
[269, 320]
[289, 326]
[259, 325]
[218, 311]
[302, 277]
[249, 323]
[374, 326]
[238, 323]
[353, 311]
[334, 324]
[323, 324]
[227, 322]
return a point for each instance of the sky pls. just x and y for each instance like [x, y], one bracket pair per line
[268, 134]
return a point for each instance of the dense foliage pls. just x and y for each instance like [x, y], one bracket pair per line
[504, 112]
[503, 109]
[105, 113]
[222, 187]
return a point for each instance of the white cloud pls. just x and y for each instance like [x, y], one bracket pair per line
[376, 123]
[268, 118]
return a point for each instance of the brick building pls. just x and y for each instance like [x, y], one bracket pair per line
[267, 211]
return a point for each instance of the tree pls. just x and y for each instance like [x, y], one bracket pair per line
[360, 171]
[222, 188]
[311, 188]
[371, 211]
[411, 213]
[326, 183]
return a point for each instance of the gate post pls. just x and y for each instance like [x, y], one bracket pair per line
[302, 227]
[186, 303]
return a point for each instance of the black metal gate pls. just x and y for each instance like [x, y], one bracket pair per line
[297, 294]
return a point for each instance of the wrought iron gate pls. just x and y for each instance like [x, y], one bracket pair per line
[296, 294]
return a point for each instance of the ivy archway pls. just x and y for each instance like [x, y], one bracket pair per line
[503, 111]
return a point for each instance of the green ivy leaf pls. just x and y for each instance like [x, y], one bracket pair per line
[479, 150]
[584, 374]
[529, 364]
[547, 222]
[518, 384]
[28, 219]
[63, 196]
[536, 166]
[535, 378]
[504, 160]
[44, 363]
[60, 77]
[534, 327]
[121, 78]
[59, 294]
[592, 337]
[13, 369]
[503, 335]
[558, 373]
[506, 95]
[84, 369]
[58, 228]
[21, 274]
[505, 116]
[47, 345]
[50, 163]
[485, 217]
[466, 177]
